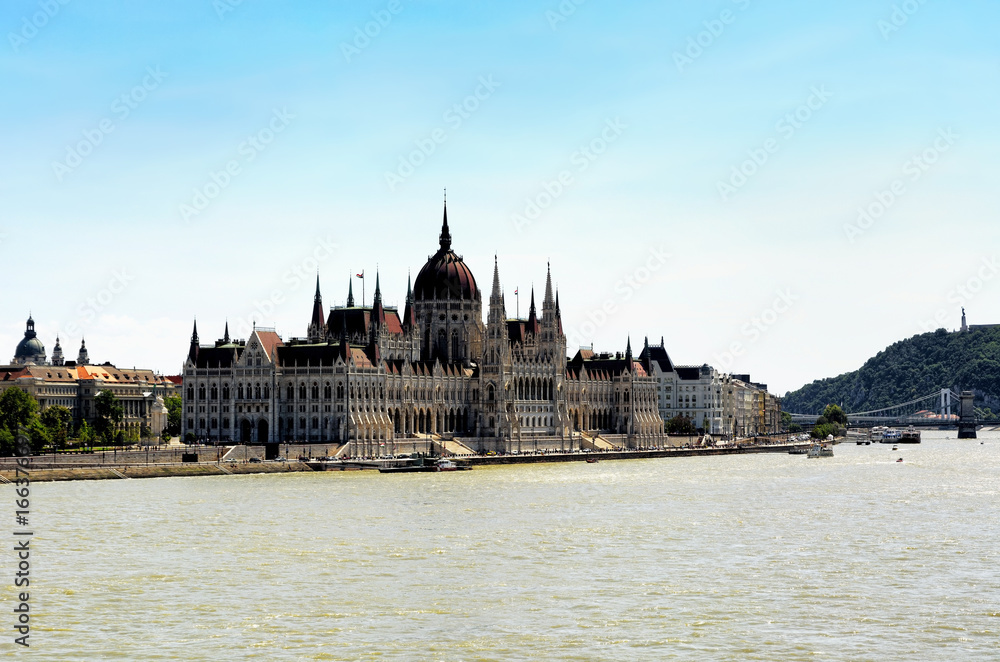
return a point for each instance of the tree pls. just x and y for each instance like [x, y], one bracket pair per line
[173, 405]
[38, 436]
[835, 414]
[6, 442]
[108, 414]
[680, 425]
[86, 435]
[17, 409]
[56, 420]
[786, 420]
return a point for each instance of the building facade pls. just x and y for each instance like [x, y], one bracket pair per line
[75, 384]
[373, 377]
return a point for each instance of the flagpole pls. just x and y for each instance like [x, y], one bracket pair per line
[362, 288]
[517, 299]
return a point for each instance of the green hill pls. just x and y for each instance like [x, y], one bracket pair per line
[910, 369]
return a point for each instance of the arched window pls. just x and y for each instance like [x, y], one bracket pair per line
[239, 392]
[190, 394]
[340, 390]
[215, 392]
[201, 391]
[490, 394]
[267, 391]
[454, 346]
[315, 391]
[442, 342]
[302, 391]
[290, 393]
[327, 391]
[225, 391]
[257, 391]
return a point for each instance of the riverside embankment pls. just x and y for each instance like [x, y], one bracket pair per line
[46, 468]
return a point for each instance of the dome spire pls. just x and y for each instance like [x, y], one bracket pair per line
[445, 232]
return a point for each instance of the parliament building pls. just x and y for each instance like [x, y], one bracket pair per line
[434, 375]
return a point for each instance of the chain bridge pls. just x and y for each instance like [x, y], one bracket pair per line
[942, 409]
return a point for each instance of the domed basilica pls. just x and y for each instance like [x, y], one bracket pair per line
[434, 375]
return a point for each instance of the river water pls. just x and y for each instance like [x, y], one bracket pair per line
[758, 557]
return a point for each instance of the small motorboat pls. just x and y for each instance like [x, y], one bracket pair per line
[895, 448]
[591, 460]
[820, 450]
[899, 460]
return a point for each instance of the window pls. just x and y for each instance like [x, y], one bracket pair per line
[201, 391]
[290, 392]
[327, 391]
[340, 390]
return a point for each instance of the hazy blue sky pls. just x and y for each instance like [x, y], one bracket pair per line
[120, 221]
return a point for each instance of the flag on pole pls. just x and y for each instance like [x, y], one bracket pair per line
[515, 290]
[361, 275]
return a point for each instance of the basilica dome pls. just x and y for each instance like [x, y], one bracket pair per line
[445, 276]
[30, 349]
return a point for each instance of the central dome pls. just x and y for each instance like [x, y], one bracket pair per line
[445, 276]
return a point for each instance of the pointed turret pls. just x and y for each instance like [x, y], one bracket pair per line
[317, 326]
[409, 314]
[533, 326]
[445, 237]
[350, 293]
[628, 353]
[57, 354]
[559, 325]
[225, 336]
[498, 313]
[192, 350]
[548, 304]
[83, 358]
[378, 312]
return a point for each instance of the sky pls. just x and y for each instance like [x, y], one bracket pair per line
[776, 188]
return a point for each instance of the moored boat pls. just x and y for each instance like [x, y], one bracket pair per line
[821, 450]
[910, 436]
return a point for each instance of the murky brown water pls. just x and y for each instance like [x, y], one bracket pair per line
[740, 557]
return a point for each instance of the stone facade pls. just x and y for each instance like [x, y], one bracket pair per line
[381, 380]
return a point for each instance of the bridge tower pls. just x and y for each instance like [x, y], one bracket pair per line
[945, 407]
[967, 419]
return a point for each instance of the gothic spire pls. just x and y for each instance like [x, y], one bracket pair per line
[317, 324]
[409, 315]
[445, 232]
[533, 326]
[628, 352]
[192, 351]
[548, 303]
[559, 325]
[225, 337]
[350, 293]
[496, 280]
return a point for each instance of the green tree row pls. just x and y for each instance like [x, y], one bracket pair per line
[52, 428]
